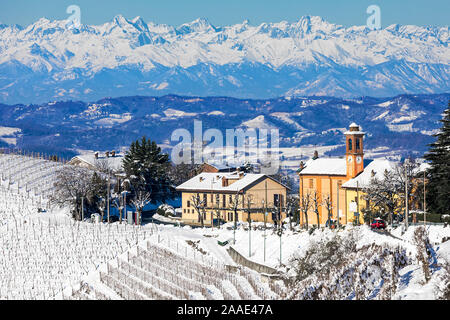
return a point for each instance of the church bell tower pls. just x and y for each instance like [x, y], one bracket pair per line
[354, 154]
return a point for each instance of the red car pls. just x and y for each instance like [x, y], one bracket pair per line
[378, 224]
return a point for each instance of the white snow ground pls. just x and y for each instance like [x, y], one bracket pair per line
[47, 255]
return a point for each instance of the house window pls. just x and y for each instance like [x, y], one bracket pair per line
[188, 203]
[205, 199]
[230, 199]
[212, 198]
[276, 200]
[204, 215]
[350, 146]
[224, 201]
[184, 210]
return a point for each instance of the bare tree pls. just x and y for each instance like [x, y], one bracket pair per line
[182, 172]
[404, 172]
[140, 200]
[199, 206]
[276, 215]
[384, 193]
[305, 205]
[248, 208]
[101, 207]
[292, 208]
[316, 203]
[72, 184]
[117, 202]
[235, 202]
[217, 208]
[102, 165]
[328, 205]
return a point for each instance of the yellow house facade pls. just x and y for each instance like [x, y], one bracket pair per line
[354, 188]
[342, 180]
[321, 179]
[220, 192]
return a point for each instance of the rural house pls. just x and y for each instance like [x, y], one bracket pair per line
[257, 193]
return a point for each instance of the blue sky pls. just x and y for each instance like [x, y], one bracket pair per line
[225, 12]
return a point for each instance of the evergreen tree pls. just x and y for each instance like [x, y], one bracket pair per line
[98, 192]
[147, 169]
[438, 187]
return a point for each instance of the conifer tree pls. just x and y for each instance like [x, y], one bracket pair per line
[438, 187]
[147, 169]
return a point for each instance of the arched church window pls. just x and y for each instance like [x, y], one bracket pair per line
[350, 145]
[358, 146]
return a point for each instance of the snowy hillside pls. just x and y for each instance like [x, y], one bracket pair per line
[395, 125]
[43, 251]
[47, 255]
[132, 57]
[178, 263]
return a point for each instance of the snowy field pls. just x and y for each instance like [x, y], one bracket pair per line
[47, 255]
[296, 243]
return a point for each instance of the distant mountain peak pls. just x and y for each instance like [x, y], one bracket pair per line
[310, 56]
[120, 20]
[198, 25]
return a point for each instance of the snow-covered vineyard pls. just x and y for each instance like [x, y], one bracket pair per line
[29, 176]
[47, 255]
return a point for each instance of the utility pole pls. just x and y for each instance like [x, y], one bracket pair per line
[249, 204]
[249, 239]
[107, 198]
[337, 204]
[280, 232]
[280, 245]
[218, 208]
[82, 208]
[406, 194]
[357, 201]
[265, 219]
[264, 236]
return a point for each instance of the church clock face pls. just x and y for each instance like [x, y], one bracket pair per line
[349, 159]
[358, 159]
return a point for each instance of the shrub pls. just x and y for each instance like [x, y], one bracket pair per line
[442, 287]
[337, 269]
[165, 210]
[423, 247]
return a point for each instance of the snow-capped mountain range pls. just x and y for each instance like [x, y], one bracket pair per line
[48, 61]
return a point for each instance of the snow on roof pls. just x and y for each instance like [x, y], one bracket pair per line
[212, 181]
[114, 163]
[331, 166]
[354, 125]
[219, 166]
[354, 132]
[363, 179]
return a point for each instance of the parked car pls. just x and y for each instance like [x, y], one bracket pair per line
[378, 224]
[331, 223]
